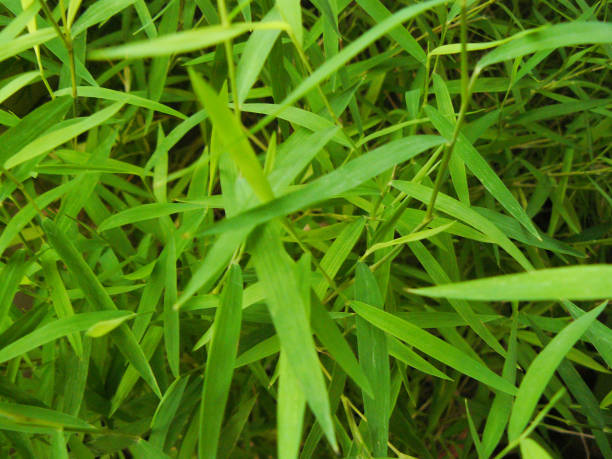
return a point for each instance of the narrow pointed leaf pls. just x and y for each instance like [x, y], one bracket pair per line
[180, 42]
[336, 182]
[98, 298]
[220, 364]
[542, 369]
[586, 282]
[275, 271]
[58, 329]
[432, 346]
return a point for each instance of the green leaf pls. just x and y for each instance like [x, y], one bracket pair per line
[513, 229]
[300, 117]
[606, 401]
[374, 360]
[432, 346]
[598, 333]
[232, 137]
[455, 48]
[542, 369]
[8, 119]
[172, 329]
[145, 18]
[34, 416]
[464, 213]
[257, 48]
[316, 150]
[166, 411]
[329, 335]
[59, 296]
[550, 37]
[481, 169]
[119, 96]
[330, 185]
[291, 12]
[502, 403]
[353, 49]
[104, 327]
[275, 271]
[26, 324]
[73, 8]
[287, 169]
[12, 274]
[99, 12]
[155, 210]
[290, 411]
[234, 427]
[143, 449]
[261, 350]
[463, 308]
[98, 297]
[406, 355]
[24, 42]
[338, 252]
[217, 258]
[220, 363]
[28, 212]
[23, 19]
[559, 110]
[48, 142]
[181, 42]
[58, 329]
[583, 394]
[585, 282]
[31, 126]
[296, 154]
[530, 449]
[412, 237]
[379, 13]
[16, 83]
[149, 344]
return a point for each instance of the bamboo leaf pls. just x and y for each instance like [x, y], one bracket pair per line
[374, 360]
[275, 270]
[220, 364]
[235, 140]
[432, 346]
[98, 298]
[48, 142]
[330, 185]
[58, 329]
[586, 282]
[541, 370]
[181, 42]
[551, 37]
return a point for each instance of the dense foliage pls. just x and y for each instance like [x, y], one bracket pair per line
[311, 229]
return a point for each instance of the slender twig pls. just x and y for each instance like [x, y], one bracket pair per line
[549, 406]
[466, 92]
[67, 40]
[229, 55]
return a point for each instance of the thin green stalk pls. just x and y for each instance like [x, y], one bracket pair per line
[20, 235]
[326, 102]
[466, 92]
[229, 55]
[21, 188]
[42, 72]
[304, 60]
[63, 13]
[538, 419]
[391, 222]
[291, 230]
[67, 40]
[464, 55]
